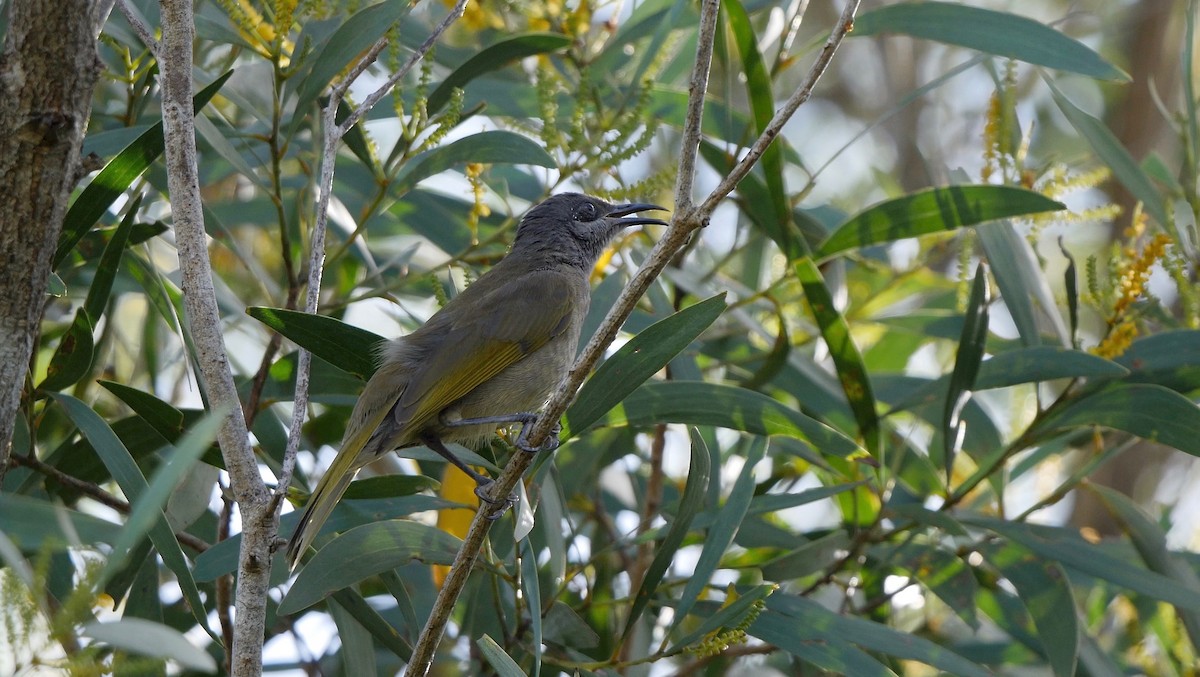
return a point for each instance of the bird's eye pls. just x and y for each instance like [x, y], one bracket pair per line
[586, 212]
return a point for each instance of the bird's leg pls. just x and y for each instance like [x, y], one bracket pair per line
[482, 481]
[526, 419]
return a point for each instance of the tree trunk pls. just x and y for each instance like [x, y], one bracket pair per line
[48, 70]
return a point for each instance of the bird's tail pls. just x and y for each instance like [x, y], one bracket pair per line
[322, 501]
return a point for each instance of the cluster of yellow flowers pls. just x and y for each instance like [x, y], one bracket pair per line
[1131, 277]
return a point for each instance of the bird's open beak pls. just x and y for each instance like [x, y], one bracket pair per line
[632, 208]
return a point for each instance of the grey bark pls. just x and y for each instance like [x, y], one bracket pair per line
[48, 70]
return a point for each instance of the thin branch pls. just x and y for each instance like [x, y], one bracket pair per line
[96, 493]
[139, 26]
[89, 489]
[687, 219]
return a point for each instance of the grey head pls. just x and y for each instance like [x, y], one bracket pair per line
[573, 228]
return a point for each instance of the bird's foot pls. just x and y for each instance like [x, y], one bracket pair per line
[497, 506]
[550, 444]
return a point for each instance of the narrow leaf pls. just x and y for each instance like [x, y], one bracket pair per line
[999, 33]
[966, 366]
[344, 47]
[110, 261]
[492, 58]
[346, 347]
[148, 507]
[1114, 154]
[1045, 591]
[492, 146]
[366, 551]
[817, 622]
[72, 358]
[700, 403]
[933, 210]
[147, 638]
[720, 536]
[504, 665]
[117, 176]
[847, 359]
[1151, 412]
[125, 471]
[638, 360]
[689, 505]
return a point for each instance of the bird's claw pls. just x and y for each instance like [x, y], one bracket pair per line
[502, 505]
[550, 444]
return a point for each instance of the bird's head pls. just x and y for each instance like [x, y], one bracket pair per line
[575, 228]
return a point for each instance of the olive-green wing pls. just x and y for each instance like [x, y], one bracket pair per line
[511, 322]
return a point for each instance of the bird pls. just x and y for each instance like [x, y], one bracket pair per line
[488, 358]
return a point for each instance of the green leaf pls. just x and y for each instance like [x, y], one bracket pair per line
[357, 652]
[723, 406]
[986, 30]
[762, 105]
[1069, 549]
[937, 568]
[346, 347]
[565, 628]
[815, 622]
[363, 552]
[1151, 543]
[494, 57]
[147, 508]
[72, 358]
[847, 359]
[27, 520]
[222, 557]
[504, 665]
[1036, 364]
[1151, 412]
[720, 536]
[116, 457]
[377, 625]
[833, 655]
[164, 418]
[933, 210]
[1112, 153]
[966, 366]
[1022, 283]
[1043, 587]
[492, 146]
[638, 360]
[117, 176]
[343, 48]
[147, 638]
[110, 260]
[689, 505]
[1170, 359]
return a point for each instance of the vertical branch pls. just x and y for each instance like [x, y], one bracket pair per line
[204, 320]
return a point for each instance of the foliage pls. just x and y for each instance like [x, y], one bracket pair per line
[815, 451]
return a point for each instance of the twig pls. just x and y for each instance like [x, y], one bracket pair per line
[139, 26]
[258, 525]
[687, 219]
